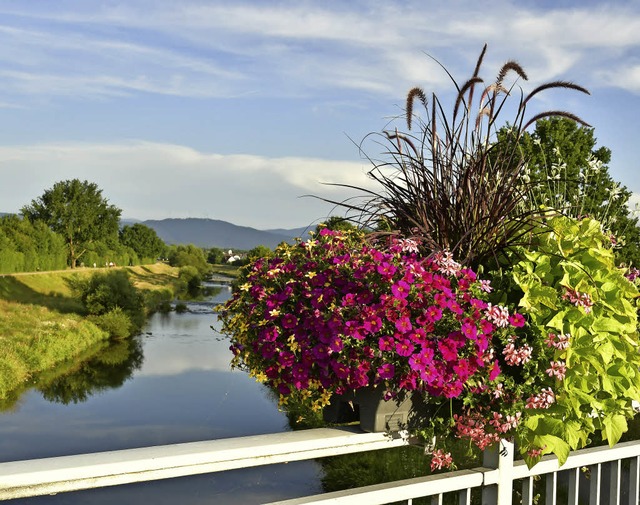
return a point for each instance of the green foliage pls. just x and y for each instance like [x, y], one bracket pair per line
[565, 171]
[103, 254]
[105, 292]
[37, 339]
[115, 322]
[571, 285]
[144, 241]
[336, 223]
[188, 255]
[106, 369]
[189, 280]
[215, 256]
[26, 246]
[260, 251]
[78, 212]
[158, 300]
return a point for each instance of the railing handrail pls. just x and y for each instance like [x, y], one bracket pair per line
[37, 477]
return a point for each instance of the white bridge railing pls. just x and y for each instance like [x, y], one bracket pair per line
[592, 476]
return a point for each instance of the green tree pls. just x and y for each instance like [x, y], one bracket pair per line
[27, 246]
[188, 255]
[336, 223]
[143, 240]
[215, 256]
[77, 211]
[565, 170]
[259, 251]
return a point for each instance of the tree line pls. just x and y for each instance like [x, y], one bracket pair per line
[70, 225]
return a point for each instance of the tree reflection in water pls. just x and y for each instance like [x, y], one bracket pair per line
[109, 369]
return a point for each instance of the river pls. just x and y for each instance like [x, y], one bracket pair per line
[171, 384]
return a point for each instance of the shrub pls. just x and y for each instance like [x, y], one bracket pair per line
[189, 280]
[104, 292]
[115, 322]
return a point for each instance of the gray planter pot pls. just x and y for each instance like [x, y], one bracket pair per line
[406, 411]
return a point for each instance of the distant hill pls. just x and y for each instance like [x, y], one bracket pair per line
[294, 233]
[216, 233]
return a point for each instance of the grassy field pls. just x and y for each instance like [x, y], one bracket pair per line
[42, 324]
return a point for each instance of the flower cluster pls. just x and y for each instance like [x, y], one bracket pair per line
[344, 311]
[336, 313]
[339, 312]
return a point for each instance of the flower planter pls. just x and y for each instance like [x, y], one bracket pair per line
[367, 405]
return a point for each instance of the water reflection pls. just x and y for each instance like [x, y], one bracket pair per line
[109, 369]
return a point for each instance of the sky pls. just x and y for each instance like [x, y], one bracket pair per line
[248, 111]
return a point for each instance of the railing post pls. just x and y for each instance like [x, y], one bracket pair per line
[499, 456]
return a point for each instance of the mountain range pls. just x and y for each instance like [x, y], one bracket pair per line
[216, 233]
[222, 234]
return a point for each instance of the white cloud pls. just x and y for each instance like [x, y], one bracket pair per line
[155, 181]
[195, 49]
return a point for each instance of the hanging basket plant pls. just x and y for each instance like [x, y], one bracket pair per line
[507, 321]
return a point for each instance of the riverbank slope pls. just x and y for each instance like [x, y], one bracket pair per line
[42, 324]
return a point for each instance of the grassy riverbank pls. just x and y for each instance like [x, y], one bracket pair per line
[42, 323]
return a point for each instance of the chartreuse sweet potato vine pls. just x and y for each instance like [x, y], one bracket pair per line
[573, 288]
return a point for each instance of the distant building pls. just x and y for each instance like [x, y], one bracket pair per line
[231, 258]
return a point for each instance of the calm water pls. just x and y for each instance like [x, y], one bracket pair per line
[172, 384]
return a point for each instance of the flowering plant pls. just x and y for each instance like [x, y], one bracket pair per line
[544, 351]
[339, 312]
[335, 313]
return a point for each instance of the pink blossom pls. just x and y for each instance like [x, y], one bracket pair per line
[446, 264]
[515, 356]
[558, 341]
[403, 325]
[408, 245]
[440, 460]
[497, 314]
[400, 289]
[536, 453]
[404, 347]
[578, 299]
[386, 371]
[385, 343]
[485, 285]
[557, 369]
[517, 320]
[542, 400]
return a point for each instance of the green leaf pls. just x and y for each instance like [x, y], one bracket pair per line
[613, 428]
[558, 320]
[555, 445]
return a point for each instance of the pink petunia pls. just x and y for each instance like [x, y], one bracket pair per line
[400, 289]
[404, 347]
[386, 371]
[403, 325]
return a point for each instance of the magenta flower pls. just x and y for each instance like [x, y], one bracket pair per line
[386, 269]
[517, 320]
[289, 321]
[401, 289]
[386, 371]
[404, 347]
[386, 343]
[403, 324]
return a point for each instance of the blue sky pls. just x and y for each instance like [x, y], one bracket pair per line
[235, 110]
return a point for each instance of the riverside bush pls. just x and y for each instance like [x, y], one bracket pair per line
[115, 322]
[104, 292]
